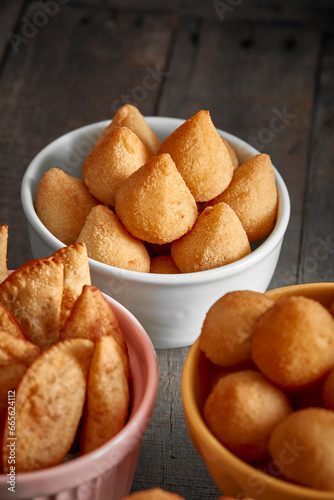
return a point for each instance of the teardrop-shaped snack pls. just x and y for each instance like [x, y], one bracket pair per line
[112, 161]
[109, 242]
[155, 204]
[63, 203]
[201, 156]
[253, 196]
[216, 239]
[129, 116]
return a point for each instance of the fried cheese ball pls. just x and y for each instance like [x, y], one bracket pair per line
[304, 444]
[163, 264]
[228, 326]
[293, 343]
[233, 155]
[62, 204]
[129, 116]
[155, 204]
[109, 242]
[242, 410]
[201, 156]
[217, 238]
[252, 194]
[153, 494]
[112, 161]
[328, 391]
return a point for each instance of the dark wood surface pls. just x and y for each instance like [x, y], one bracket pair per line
[244, 61]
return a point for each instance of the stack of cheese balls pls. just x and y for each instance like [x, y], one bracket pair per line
[271, 397]
[181, 206]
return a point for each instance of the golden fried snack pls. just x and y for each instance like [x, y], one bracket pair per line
[92, 317]
[328, 391]
[63, 203]
[163, 264]
[49, 404]
[153, 494]
[217, 238]
[76, 275]
[109, 242]
[3, 252]
[9, 323]
[108, 396]
[232, 153]
[201, 156]
[33, 293]
[16, 354]
[253, 195]
[228, 326]
[304, 444]
[155, 204]
[331, 308]
[112, 161]
[293, 343]
[129, 116]
[241, 411]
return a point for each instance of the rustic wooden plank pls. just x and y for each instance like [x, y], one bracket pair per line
[248, 78]
[49, 88]
[317, 255]
[9, 16]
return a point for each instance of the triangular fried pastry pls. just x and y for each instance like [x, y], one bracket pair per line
[216, 239]
[112, 161]
[9, 323]
[106, 411]
[48, 405]
[129, 116]
[109, 242]
[92, 317]
[16, 354]
[155, 204]
[3, 251]
[33, 293]
[76, 275]
[253, 196]
[201, 156]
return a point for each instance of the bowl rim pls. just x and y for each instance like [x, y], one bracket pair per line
[192, 412]
[271, 241]
[137, 419]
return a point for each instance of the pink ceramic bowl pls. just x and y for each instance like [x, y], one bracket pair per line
[106, 473]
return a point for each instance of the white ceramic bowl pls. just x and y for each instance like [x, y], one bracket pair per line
[170, 307]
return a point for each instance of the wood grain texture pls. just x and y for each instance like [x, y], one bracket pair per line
[9, 16]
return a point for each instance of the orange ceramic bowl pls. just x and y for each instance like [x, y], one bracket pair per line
[233, 476]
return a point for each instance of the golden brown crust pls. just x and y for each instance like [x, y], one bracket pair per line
[217, 238]
[232, 153]
[200, 156]
[10, 323]
[163, 264]
[3, 252]
[63, 203]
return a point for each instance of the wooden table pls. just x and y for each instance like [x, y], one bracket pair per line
[265, 71]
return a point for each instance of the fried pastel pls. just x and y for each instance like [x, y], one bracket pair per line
[92, 317]
[163, 264]
[201, 156]
[49, 405]
[293, 343]
[216, 239]
[108, 241]
[327, 391]
[252, 194]
[112, 161]
[232, 153]
[153, 494]
[62, 204]
[76, 275]
[108, 396]
[3, 251]
[16, 354]
[129, 116]
[155, 204]
[9, 323]
[33, 293]
[228, 326]
[306, 439]
[242, 410]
